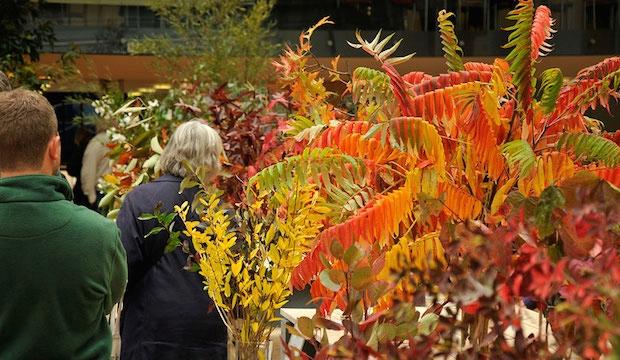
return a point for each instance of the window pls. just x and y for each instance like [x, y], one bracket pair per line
[148, 19]
[600, 14]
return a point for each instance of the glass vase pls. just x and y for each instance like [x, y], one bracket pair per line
[238, 350]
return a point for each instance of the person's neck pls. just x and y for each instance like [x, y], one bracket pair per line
[14, 173]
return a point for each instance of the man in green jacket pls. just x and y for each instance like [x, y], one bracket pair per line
[62, 266]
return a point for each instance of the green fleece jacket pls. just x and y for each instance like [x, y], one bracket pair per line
[62, 268]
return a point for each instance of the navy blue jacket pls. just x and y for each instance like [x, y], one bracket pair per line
[166, 313]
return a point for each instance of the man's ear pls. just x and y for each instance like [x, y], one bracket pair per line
[53, 149]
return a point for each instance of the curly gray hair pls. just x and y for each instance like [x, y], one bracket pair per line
[5, 84]
[195, 142]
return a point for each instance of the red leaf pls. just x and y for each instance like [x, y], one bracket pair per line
[541, 32]
[471, 308]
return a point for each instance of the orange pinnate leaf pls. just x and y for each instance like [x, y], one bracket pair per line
[478, 66]
[551, 168]
[460, 203]
[416, 77]
[611, 175]
[420, 136]
[442, 104]
[349, 138]
[593, 86]
[483, 139]
[600, 70]
[450, 79]
[379, 220]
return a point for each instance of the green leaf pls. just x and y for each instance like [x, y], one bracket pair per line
[406, 330]
[154, 231]
[108, 199]
[427, 324]
[519, 154]
[155, 146]
[187, 183]
[112, 214]
[327, 281]
[451, 49]
[296, 170]
[550, 199]
[193, 267]
[519, 57]
[352, 255]
[552, 80]
[173, 242]
[145, 217]
[386, 332]
[592, 147]
[361, 277]
[168, 218]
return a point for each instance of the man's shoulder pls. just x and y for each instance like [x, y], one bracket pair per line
[91, 222]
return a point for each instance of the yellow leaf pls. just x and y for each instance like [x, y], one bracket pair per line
[270, 234]
[236, 267]
[490, 107]
[112, 179]
[500, 196]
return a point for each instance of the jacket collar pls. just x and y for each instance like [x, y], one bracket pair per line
[34, 188]
[168, 178]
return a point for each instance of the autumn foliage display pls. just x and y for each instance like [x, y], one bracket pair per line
[474, 189]
[437, 212]
[248, 119]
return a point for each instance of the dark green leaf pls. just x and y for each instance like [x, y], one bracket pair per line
[550, 199]
[145, 217]
[154, 231]
[167, 219]
[173, 242]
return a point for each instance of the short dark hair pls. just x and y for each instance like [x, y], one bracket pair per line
[5, 84]
[27, 123]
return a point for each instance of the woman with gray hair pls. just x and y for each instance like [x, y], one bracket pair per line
[166, 314]
[5, 84]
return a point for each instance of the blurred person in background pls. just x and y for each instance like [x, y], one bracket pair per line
[95, 164]
[166, 313]
[82, 137]
[62, 266]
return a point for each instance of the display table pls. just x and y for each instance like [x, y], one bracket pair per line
[531, 323]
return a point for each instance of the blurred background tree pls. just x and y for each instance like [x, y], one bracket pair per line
[212, 40]
[23, 35]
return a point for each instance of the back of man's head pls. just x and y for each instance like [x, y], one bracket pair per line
[27, 124]
[5, 85]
